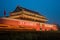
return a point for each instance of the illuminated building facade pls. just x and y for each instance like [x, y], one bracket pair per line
[25, 19]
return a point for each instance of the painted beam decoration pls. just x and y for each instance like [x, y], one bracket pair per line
[17, 24]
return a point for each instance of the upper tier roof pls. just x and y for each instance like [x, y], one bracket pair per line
[19, 8]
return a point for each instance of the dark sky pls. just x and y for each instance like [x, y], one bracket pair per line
[48, 8]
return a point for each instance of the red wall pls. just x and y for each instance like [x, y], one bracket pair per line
[25, 24]
[28, 24]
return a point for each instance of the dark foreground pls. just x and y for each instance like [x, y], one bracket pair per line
[28, 35]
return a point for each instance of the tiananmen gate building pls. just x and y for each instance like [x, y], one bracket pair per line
[24, 19]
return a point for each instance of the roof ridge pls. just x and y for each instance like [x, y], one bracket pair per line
[19, 8]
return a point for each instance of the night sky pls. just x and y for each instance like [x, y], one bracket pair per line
[49, 8]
